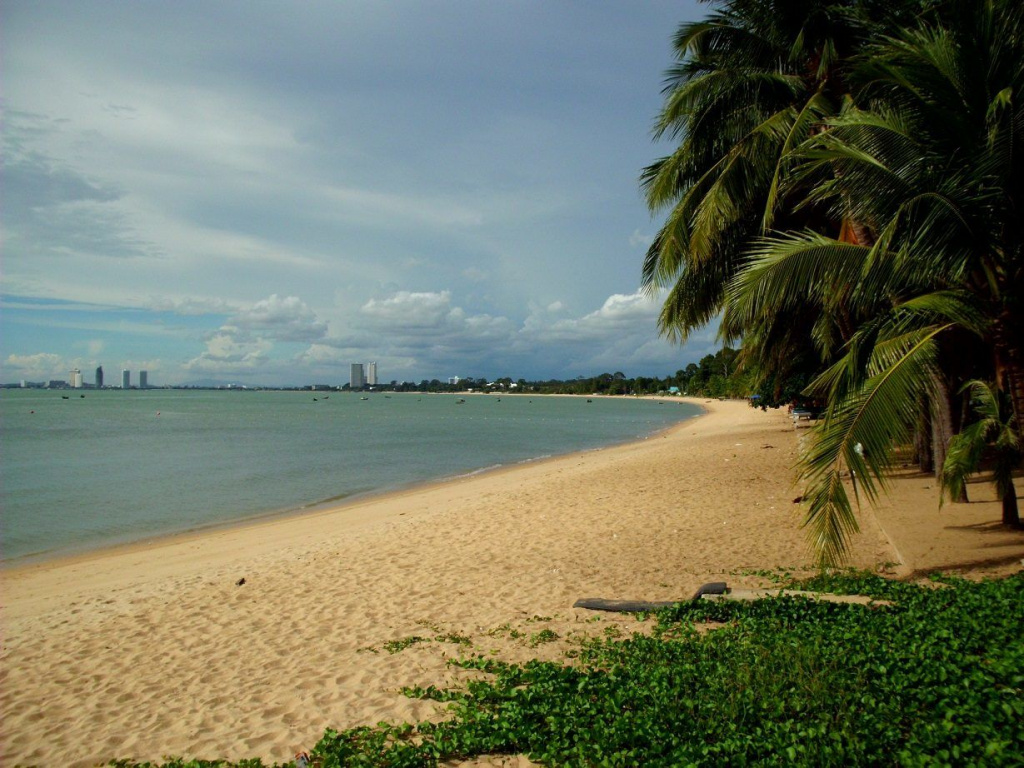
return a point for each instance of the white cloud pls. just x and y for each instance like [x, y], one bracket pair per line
[428, 322]
[225, 354]
[190, 306]
[474, 274]
[406, 311]
[280, 319]
[435, 334]
[324, 354]
[38, 367]
[244, 343]
[638, 239]
[383, 208]
[620, 315]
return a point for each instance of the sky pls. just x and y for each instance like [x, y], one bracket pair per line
[263, 193]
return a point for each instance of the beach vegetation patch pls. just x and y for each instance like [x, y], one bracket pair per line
[932, 676]
[176, 762]
[395, 646]
[544, 636]
[453, 637]
[506, 629]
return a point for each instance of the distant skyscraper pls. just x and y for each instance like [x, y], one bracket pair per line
[143, 379]
[99, 377]
[126, 379]
[76, 378]
[357, 380]
[371, 374]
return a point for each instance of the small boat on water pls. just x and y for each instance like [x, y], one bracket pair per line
[364, 398]
[460, 401]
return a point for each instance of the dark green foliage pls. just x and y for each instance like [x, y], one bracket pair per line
[935, 678]
[717, 375]
[177, 762]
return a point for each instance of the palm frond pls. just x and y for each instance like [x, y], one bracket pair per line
[788, 270]
[962, 460]
[857, 434]
[811, 114]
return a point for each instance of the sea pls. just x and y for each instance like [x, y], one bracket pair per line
[86, 470]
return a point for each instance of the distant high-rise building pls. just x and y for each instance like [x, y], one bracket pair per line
[143, 379]
[357, 380]
[99, 377]
[76, 378]
[371, 374]
[126, 379]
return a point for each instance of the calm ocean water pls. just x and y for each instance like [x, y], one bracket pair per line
[115, 467]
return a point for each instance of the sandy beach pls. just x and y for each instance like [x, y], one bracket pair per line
[158, 649]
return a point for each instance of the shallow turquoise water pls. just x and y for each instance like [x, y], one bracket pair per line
[115, 466]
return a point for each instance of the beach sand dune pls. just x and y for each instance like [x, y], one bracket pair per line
[157, 649]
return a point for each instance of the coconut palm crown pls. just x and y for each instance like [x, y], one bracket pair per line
[850, 181]
[927, 158]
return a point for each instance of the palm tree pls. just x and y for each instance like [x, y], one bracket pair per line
[931, 164]
[744, 90]
[996, 428]
[752, 83]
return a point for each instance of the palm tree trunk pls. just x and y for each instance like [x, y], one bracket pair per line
[1010, 378]
[959, 421]
[1010, 365]
[1011, 516]
[942, 424]
[1014, 378]
[923, 440]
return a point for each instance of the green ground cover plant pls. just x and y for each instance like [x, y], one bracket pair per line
[934, 678]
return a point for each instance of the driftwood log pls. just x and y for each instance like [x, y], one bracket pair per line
[639, 606]
[717, 590]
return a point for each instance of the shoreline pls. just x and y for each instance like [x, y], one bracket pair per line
[86, 552]
[163, 650]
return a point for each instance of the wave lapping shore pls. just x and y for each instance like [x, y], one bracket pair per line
[162, 649]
